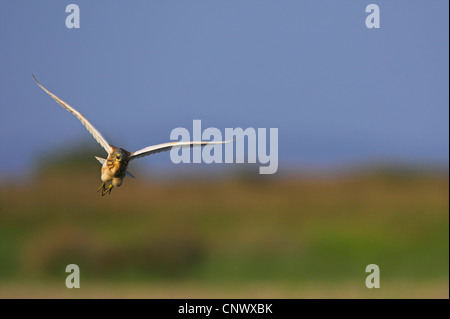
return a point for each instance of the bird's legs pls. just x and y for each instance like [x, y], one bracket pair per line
[108, 190]
[105, 190]
[102, 187]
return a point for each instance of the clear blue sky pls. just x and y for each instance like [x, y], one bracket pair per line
[338, 92]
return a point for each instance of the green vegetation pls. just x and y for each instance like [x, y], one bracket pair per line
[236, 231]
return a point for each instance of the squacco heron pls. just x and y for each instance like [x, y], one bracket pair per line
[114, 167]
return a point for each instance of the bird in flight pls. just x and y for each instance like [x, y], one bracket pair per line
[114, 167]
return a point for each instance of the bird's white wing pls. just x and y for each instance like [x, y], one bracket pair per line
[96, 134]
[168, 146]
[101, 160]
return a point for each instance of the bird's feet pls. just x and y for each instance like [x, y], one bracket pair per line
[105, 190]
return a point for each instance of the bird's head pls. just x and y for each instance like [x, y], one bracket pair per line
[118, 155]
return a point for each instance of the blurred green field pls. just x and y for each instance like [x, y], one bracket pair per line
[242, 236]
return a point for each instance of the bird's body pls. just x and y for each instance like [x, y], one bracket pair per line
[114, 167]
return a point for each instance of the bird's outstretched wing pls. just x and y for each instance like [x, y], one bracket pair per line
[96, 134]
[168, 146]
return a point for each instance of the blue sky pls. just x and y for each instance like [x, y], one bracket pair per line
[337, 91]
